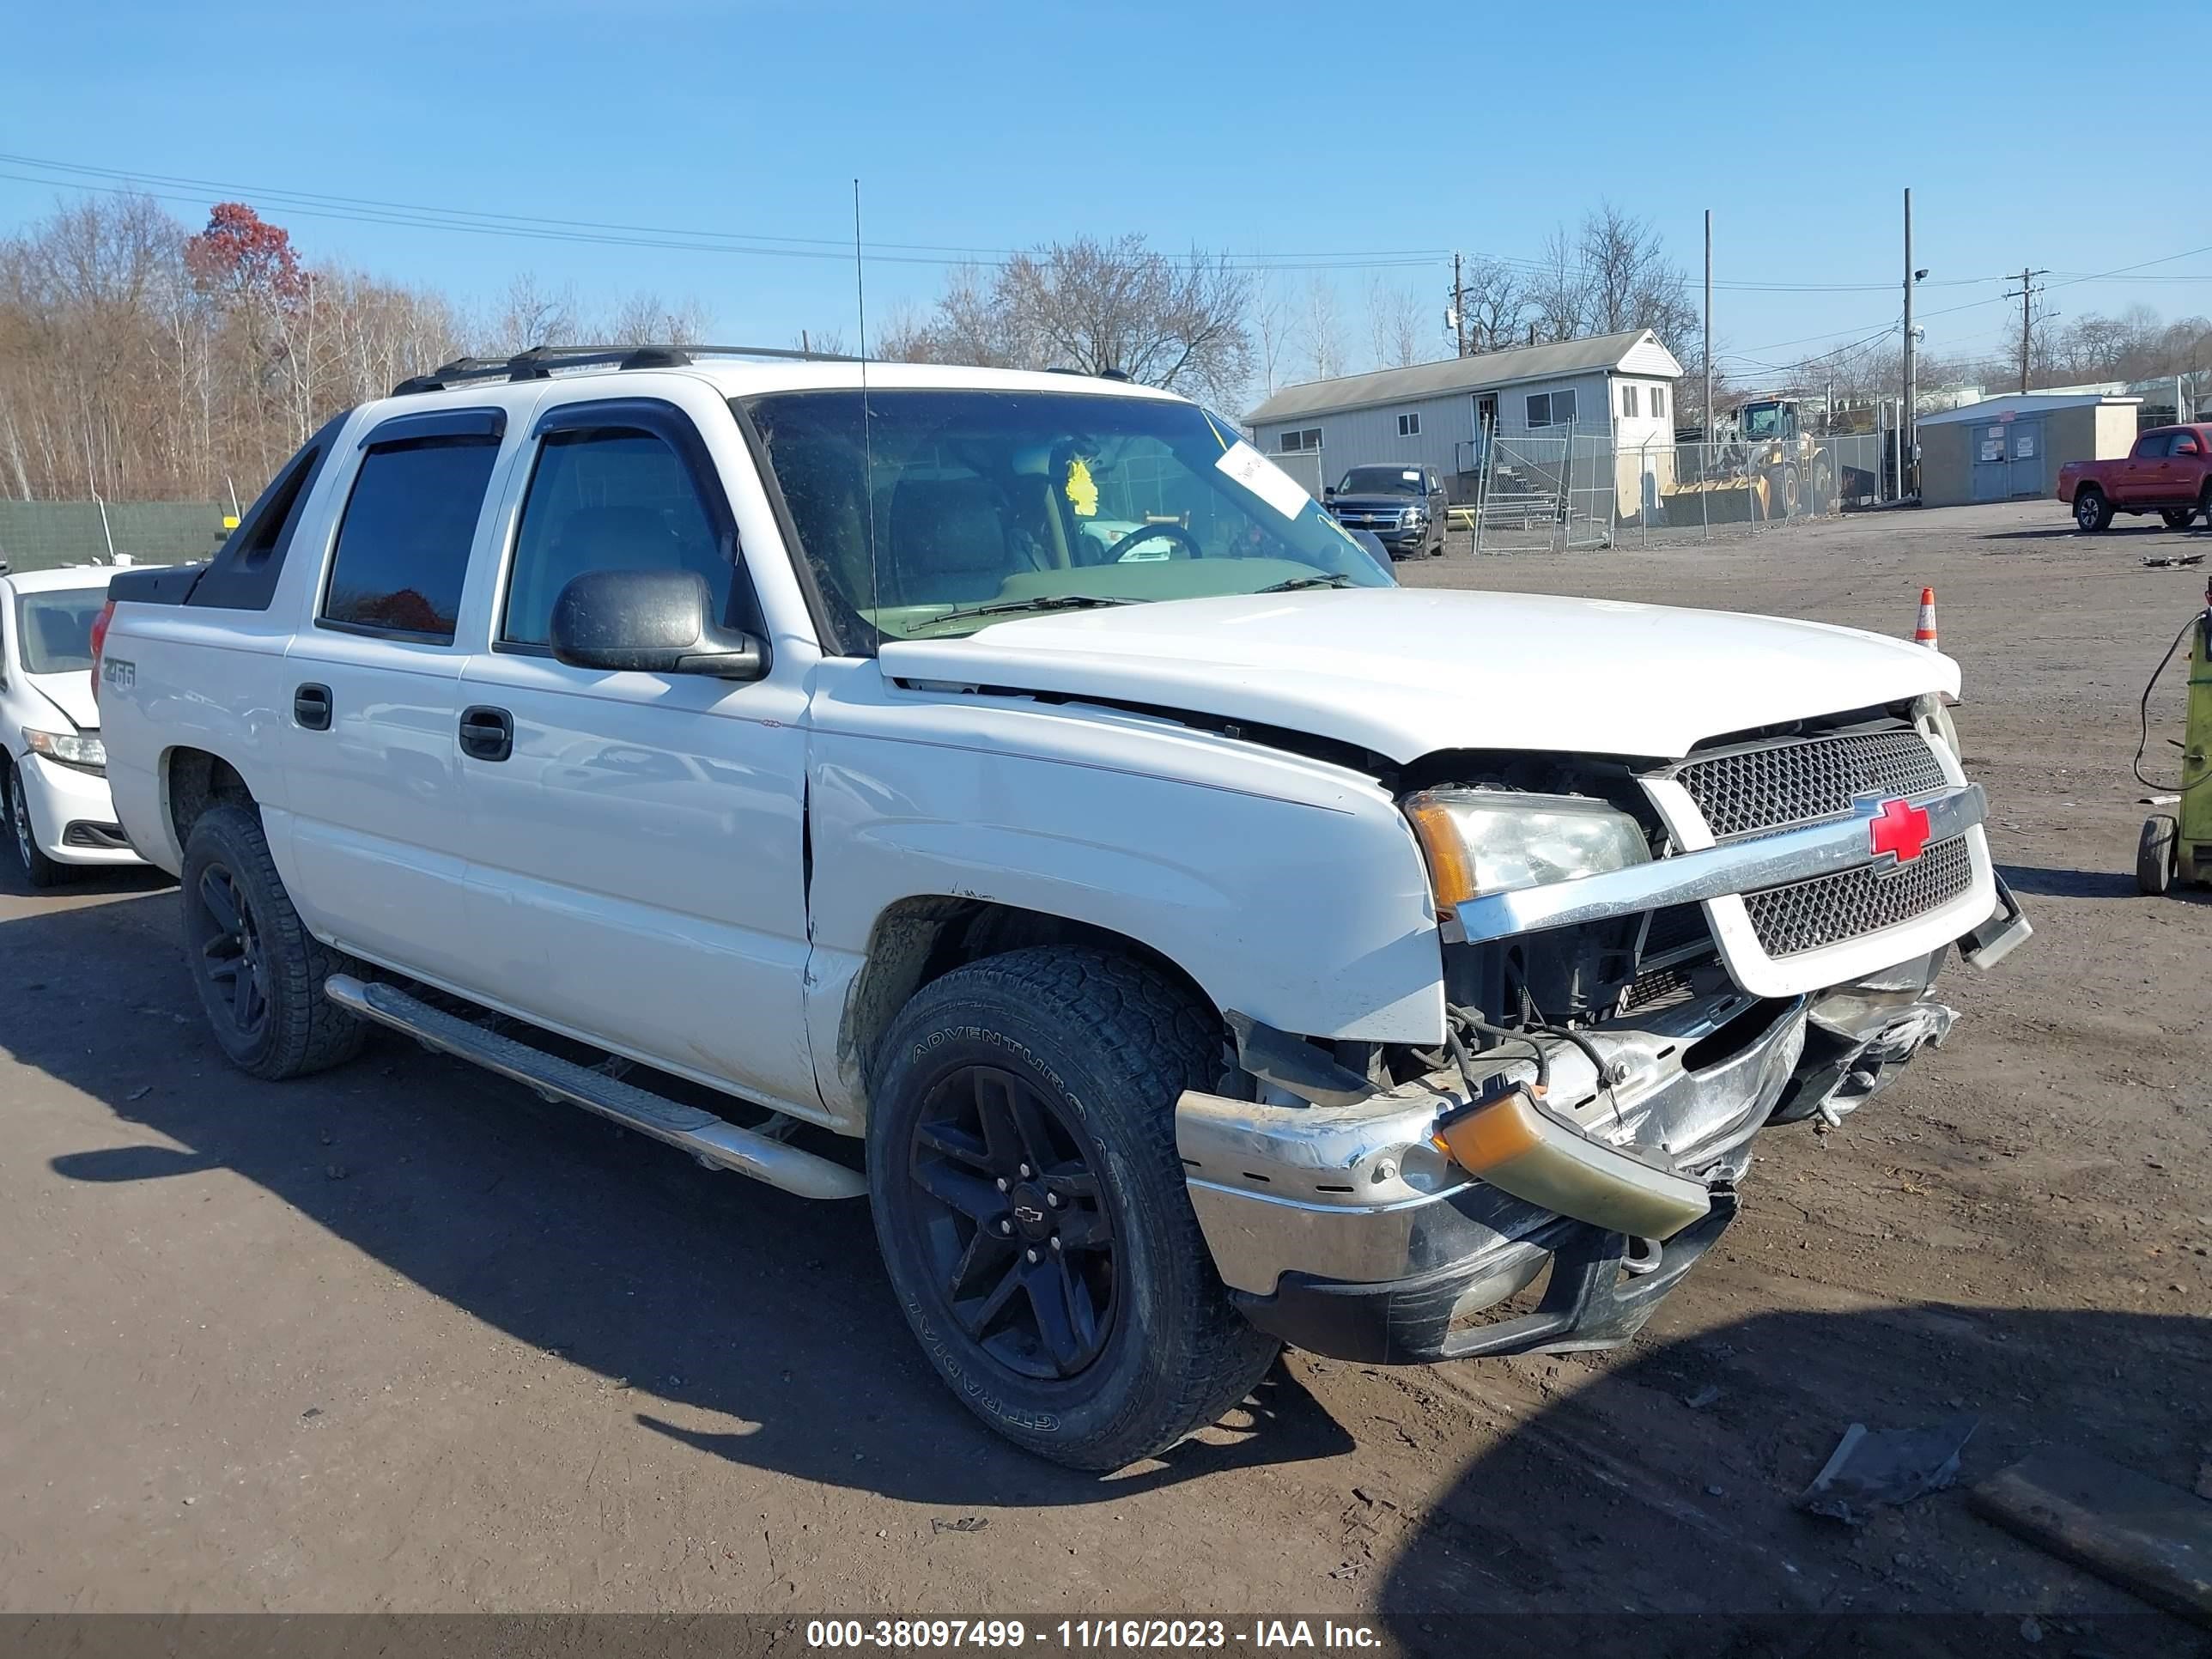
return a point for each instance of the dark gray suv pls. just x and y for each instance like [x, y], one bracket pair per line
[1405, 507]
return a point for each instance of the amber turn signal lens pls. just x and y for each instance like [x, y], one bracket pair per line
[1513, 1145]
[1451, 871]
[1488, 1136]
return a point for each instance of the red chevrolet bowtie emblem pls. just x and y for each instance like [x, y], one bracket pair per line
[1899, 829]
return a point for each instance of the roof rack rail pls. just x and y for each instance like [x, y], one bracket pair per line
[540, 361]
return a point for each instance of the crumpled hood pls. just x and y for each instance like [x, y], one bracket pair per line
[72, 693]
[1377, 503]
[1406, 671]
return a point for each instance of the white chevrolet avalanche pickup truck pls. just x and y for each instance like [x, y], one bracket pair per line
[1210, 943]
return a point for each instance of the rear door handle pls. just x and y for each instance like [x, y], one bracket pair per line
[487, 733]
[311, 707]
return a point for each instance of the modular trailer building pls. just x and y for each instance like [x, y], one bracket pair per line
[2011, 448]
[1619, 387]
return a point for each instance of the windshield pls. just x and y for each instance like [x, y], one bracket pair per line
[1764, 420]
[1381, 481]
[56, 629]
[952, 501]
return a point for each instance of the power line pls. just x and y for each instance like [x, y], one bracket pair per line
[588, 231]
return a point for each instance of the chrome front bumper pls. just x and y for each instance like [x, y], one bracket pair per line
[1344, 1229]
[1359, 1192]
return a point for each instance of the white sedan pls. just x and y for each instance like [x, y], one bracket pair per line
[59, 808]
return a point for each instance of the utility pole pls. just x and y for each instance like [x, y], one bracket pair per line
[1906, 441]
[2027, 298]
[1459, 308]
[1710, 428]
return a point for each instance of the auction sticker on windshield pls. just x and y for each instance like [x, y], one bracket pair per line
[1264, 479]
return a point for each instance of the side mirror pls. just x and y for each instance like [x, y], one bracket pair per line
[1328, 492]
[650, 621]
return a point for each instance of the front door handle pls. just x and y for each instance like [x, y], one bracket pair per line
[487, 734]
[311, 707]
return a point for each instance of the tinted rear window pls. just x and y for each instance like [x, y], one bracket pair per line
[403, 546]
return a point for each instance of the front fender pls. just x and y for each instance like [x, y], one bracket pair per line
[1288, 888]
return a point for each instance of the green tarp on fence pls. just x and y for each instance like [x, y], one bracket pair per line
[40, 535]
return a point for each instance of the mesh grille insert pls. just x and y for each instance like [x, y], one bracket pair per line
[1799, 781]
[1830, 909]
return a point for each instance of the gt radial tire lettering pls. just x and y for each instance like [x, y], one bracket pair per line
[1040, 1422]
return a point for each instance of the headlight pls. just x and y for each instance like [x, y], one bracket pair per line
[1416, 514]
[67, 749]
[1491, 841]
[1929, 714]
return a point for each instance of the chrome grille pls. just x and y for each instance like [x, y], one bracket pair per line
[1830, 909]
[1780, 783]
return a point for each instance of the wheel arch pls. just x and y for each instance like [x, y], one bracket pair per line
[922, 937]
[193, 780]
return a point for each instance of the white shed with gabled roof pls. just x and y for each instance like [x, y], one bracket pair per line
[1616, 387]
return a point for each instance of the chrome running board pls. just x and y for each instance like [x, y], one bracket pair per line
[712, 1140]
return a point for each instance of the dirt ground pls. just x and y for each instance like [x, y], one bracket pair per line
[403, 1338]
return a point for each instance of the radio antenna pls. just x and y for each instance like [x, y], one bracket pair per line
[867, 446]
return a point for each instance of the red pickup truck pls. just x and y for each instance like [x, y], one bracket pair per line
[2168, 472]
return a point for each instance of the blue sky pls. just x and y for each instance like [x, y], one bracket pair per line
[1287, 129]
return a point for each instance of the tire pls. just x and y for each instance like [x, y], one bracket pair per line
[2154, 856]
[2091, 511]
[37, 869]
[1077, 1056]
[259, 971]
[2177, 517]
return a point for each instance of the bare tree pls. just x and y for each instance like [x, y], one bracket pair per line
[1271, 329]
[1493, 299]
[1093, 305]
[1559, 294]
[973, 323]
[1320, 328]
[644, 319]
[532, 315]
[904, 335]
[1396, 325]
[1617, 253]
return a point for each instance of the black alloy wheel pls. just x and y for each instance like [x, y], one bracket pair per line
[227, 952]
[1017, 1238]
[1034, 1216]
[259, 973]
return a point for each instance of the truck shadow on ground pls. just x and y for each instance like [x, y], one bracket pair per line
[85, 881]
[1667, 1479]
[699, 1289]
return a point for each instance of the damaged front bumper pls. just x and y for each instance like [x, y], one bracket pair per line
[1345, 1228]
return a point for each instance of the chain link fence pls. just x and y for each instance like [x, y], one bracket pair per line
[1558, 492]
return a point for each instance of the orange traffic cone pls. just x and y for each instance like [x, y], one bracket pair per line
[1924, 631]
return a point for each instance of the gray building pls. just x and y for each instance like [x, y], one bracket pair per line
[1619, 387]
